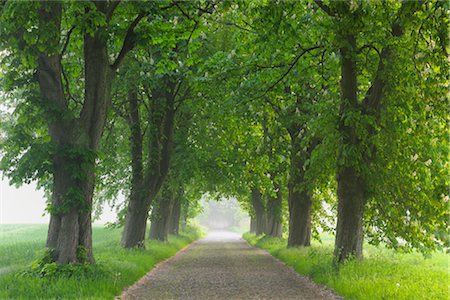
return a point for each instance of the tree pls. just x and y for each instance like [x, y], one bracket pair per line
[360, 114]
[33, 33]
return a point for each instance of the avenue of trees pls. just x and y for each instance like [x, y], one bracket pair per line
[316, 115]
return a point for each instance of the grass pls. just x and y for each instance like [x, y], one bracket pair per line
[116, 268]
[383, 274]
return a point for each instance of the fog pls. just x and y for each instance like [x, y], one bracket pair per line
[26, 205]
[225, 215]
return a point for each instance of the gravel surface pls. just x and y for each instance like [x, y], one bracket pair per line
[224, 266]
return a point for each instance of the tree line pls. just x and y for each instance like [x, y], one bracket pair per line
[316, 115]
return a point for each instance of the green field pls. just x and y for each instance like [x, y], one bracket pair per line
[383, 274]
[116, 268]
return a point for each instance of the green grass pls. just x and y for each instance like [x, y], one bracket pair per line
[382, 274]
[116, 268]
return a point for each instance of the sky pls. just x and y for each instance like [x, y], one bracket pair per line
[26, 205]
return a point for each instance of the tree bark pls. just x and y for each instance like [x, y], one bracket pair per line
[137, 214]
[299, 218]
[260, 214]
[300, 193]
[160, 217]
[133, 235]
[160, 144]
[351, 184]
[75, 139]
[349, 230]
[253, 224]
[274, 219]
[174, 221]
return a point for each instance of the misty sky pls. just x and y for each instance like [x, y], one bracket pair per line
[26, 205]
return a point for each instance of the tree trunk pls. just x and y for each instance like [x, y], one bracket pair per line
[349, 230]
[274, 219]
[351, 185]
[160, 144]
[70, 231]
[299, 218]
[184, 215]
[174, 224]
[252, 224]
[160, 217]
[139, 201]
[75, 140]
[300, 195]
[260, 214]
[133, 235]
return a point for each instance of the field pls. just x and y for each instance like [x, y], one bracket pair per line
[383, 274]
[116, 268]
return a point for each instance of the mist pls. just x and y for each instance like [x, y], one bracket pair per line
[26, 205]
[224, 214]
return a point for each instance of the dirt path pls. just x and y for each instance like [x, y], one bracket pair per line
[223, 266]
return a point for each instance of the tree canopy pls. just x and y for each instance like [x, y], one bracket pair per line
[318, 115]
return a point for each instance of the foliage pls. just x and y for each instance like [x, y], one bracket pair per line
[258, 85]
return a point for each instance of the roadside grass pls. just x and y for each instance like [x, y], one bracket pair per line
[115, 268]
[382, 274]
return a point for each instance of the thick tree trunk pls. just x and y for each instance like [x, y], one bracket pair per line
[274, 225]
[252, 224]
[260, 214]
[70, 231]
[160, 217]
[184, 215]
[299, 218]
[351, 185]
[139, 201]
[174, 221]
[160, 146]
[300, 195]
[349, 230]
[76, 140]
[133, 235]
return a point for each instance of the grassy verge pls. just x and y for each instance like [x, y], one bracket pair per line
[383, 274]
[116, 268]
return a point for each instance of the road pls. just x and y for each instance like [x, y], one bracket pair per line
[224, 266]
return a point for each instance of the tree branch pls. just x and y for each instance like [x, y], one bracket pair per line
[183, 12]
[67, 85]
[291, 66]
[369, 47]
[174, 3]
[64, 75]
[111, 8]
[238, 26]
[325, 8]
[66, 43]
[128, 42]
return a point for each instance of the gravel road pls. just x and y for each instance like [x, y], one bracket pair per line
[224, 266]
